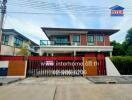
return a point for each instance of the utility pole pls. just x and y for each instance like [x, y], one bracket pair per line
[2, 14]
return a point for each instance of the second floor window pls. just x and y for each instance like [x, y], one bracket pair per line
[61, 40]
[5, 39]
[99, 38]
[76, 38]
[17, 42]
[90, 39]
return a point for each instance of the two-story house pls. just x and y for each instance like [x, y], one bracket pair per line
[76, 42]
[13, 41]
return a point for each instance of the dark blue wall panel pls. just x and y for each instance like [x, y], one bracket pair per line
[3, 71]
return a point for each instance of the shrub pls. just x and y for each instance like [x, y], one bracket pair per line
[123, 64]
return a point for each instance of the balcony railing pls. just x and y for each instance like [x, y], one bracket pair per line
[47, 42]
[52, 43]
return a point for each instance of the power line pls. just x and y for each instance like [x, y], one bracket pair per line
[51, 13]
[58, 7]
[42, 13]
[64, 9]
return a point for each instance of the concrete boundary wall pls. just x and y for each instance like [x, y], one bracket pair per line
[12, 68]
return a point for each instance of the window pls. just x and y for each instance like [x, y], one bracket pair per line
[61, 40]
[99, 38]
[76, 38]
[90, 40]
[5, 39]
[17, 42]
[32, 46]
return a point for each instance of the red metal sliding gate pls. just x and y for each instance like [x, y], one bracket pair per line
[61, 66]
[55, 66]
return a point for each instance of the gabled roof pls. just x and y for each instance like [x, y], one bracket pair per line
[117, 7]
[65, 31]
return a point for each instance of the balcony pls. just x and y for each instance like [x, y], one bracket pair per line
[54, 43]
[51, 46]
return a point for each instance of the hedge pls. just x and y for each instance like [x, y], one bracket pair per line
[123, 64]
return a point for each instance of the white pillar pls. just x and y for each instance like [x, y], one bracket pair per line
[110, 53]
[74, 53]
[52, 54]
[40, 52]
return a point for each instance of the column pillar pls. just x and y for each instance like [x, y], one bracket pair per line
[74, 53]
[52, 54]
[40, 52]
[110, 53]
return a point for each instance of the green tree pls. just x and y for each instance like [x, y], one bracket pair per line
[118, 49]
[129, 51]
[127, 44]
[24, 52]
[129, 37]
[126, 47]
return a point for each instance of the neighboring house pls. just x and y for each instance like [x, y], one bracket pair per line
[76, 42]
[117, 11]
[13, 41]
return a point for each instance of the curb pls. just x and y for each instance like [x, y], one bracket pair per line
[1, 84]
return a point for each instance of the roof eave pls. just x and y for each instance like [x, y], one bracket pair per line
[108, 31]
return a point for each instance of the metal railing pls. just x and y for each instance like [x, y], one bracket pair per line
[49, 42]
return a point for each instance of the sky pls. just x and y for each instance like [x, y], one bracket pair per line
[28, 16]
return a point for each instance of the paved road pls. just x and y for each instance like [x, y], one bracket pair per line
[77, 88]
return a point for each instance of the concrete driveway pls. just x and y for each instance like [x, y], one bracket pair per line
[64, 88]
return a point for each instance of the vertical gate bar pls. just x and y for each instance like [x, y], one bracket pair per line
[40, 68]
[53, 69]
[77, 69]
[32, 68]
[28, 68]
[45, 70]
[35, 69]
[49, 70]
[68, 74]
[65, 70]
[44, 67]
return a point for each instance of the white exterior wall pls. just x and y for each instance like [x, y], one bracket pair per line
[4, 64]
[6, 50]
[11, 40]
[9, 50]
